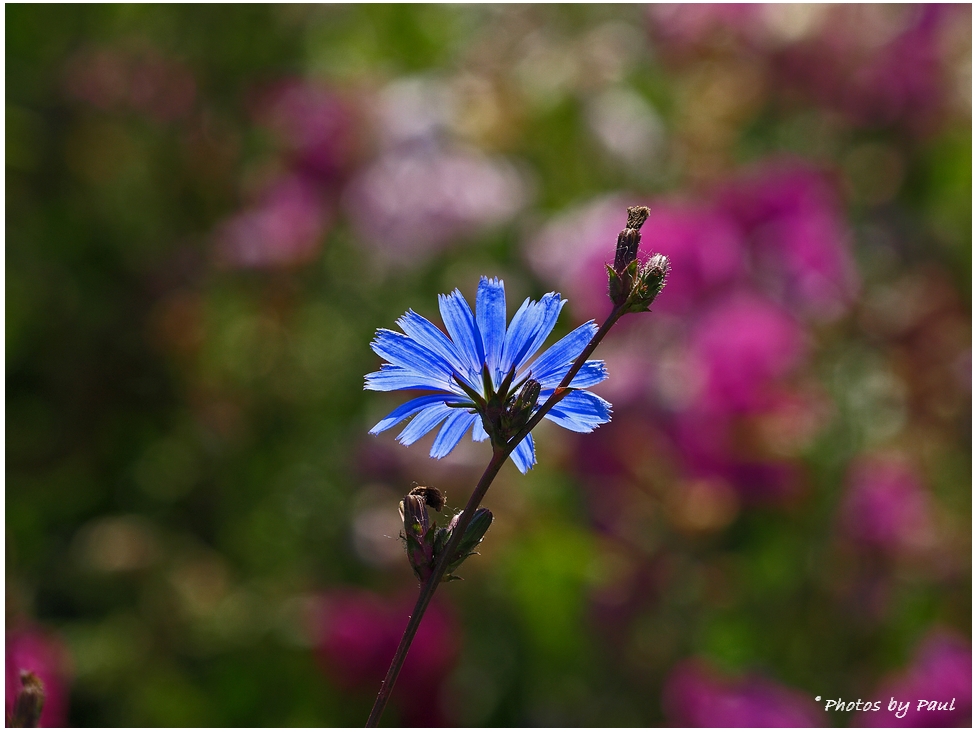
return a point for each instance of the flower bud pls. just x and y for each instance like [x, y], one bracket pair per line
[431, 495]
[520, 408]
[417, 535]
[470, 539]
[648, 284]
[29, 702]
[629, 239]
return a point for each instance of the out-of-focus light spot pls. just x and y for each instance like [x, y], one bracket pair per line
[878, 401]
[414, 108]
[792, 22]
[680, 379]
[627, 126]
[610, 50]
[789, 425]
[412, 202]
[702, 505]
[201, 583]
[116, 544]
[546, 70]
[478, 111]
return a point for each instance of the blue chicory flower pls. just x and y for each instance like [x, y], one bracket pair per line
[483, 359]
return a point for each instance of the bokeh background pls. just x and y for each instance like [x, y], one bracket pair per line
[209, 209]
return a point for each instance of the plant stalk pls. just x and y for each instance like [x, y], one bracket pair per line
[499, 456]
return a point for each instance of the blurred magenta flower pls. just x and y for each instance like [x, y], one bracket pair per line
[712, 445]
[695, 695]
[790, 215]
[32, 649]
[415, 200]
[705, 250]
[750, 265]
[286, 227]
[358, 633]
[312, 124]
[881, 65]
[887, 506]
[777, 228]
[941, 671]
[742, 347]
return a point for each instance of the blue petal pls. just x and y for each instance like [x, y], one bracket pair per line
[429, 418]
[395, 378]
[490, 316]
[401, 350]
[478, 432]
[580, 411]
[591, 373]
[461, 326]
[562, 353]
[529, 328]
[430, 337]
[410, 408]
[452, 431]
[524, 456]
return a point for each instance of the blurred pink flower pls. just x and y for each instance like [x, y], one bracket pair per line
[413, 201]
[285, 228]
[32, 649]
[695, 695]
[791, 216]
[941, 671]
[358, 634]
[312, 123]
[887, 506]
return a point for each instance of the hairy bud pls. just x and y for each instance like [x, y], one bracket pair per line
[631, 286]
